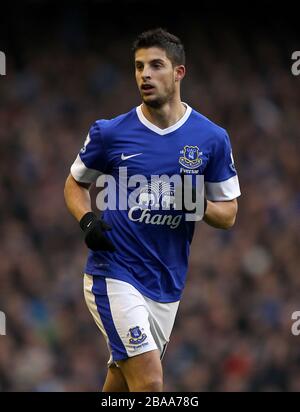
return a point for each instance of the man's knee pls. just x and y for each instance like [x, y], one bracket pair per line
[149, 384]
[151, 381]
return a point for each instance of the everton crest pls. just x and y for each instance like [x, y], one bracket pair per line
[190, 158]
[137, 336]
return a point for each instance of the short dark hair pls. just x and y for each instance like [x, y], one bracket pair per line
[164, 40]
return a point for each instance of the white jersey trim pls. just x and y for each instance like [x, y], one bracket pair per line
[83, 174]
[157, 129]
[222, 191]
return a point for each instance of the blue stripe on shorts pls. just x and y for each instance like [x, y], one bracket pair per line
[103, 306]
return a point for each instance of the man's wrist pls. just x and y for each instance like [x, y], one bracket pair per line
[86, 220]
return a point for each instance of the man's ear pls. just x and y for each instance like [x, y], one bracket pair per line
[179, 72]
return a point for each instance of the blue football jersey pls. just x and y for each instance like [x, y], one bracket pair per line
[153, 245]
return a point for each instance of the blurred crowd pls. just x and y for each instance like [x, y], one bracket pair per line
[233, 328]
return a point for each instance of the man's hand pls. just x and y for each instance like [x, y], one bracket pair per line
[94, 229]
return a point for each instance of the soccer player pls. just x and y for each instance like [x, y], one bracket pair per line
[138, 258]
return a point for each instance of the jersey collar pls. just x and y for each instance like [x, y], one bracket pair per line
[157, 129]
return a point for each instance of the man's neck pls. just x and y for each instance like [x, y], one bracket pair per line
[165, 116]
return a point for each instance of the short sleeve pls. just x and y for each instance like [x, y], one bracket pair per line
[221, 180]
[91, 161]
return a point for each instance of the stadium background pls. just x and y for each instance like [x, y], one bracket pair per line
[69, 64]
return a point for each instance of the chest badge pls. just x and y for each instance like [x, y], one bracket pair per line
[190, 158]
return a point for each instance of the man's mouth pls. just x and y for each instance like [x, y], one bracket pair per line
[147, 87]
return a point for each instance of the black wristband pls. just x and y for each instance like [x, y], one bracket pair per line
[86, 220]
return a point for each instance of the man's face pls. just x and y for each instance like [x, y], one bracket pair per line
[155, 76]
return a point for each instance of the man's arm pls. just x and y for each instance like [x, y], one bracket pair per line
[78, 201]
[221, 214]
[77, 197]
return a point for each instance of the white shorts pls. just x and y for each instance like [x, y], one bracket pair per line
[130, 322]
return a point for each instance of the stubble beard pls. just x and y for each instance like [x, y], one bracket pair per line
[155, 103]
[160, 101]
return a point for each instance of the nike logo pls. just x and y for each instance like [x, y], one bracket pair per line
[123, 157]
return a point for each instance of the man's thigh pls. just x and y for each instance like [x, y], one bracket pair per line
[121, 314]
[115, 380]
[143, 371]
[131, 324]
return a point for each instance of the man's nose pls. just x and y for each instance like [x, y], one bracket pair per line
[146, 74]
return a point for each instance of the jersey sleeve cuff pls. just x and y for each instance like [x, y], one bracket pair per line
[222, 191]
[83, 174]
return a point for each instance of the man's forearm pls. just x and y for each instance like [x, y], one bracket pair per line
[221, 214]
[77, 198]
